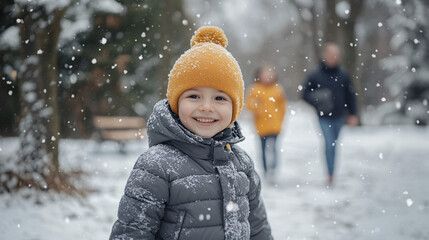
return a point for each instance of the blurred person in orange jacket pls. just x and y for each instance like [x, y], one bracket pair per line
[267, 101]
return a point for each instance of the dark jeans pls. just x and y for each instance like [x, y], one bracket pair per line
[269, 149]
[331, 128]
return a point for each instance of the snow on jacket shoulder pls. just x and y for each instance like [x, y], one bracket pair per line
[188, 187]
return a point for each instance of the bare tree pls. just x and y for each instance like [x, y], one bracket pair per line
[171, 37]
[343, 32]
[331, 32]
[36, 164]
[350, 46]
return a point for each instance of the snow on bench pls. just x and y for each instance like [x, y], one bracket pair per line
[119, 129]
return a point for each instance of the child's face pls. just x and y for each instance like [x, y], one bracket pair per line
[267, 76]
[205, 111]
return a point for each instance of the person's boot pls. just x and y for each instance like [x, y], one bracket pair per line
[330, 180]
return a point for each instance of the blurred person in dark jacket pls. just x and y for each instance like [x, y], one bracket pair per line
[329, 90]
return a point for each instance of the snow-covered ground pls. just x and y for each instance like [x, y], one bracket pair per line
[380, 188]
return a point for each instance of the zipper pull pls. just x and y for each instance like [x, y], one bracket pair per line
[228, 147]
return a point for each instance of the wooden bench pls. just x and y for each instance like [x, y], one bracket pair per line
[119, 129]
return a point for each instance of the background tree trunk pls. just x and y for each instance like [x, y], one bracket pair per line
[316, 36]
[350, 49]
[173, 41]
[343, 32]
[331, 33]
[36, 165]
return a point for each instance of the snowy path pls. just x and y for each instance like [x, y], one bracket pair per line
[380, 190]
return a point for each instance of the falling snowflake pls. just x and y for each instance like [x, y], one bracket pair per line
[409, 202]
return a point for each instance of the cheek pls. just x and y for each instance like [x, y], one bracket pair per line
[184, 114]
[181, 116]
[227, 113]
[183, 111]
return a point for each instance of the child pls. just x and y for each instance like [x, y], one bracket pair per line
[267, 101]
[194, 182]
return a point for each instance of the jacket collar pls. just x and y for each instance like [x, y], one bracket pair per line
[329, 69]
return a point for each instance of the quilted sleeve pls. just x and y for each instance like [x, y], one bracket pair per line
[142, 206]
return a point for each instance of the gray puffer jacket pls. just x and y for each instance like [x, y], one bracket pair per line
[188, 187]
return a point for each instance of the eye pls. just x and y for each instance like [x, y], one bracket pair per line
[220, 98]
[193, 96]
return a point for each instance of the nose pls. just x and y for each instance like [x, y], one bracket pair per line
[206, 106]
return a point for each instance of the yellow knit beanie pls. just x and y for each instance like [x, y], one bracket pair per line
[207, 64]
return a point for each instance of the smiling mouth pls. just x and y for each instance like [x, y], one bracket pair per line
[205, 120]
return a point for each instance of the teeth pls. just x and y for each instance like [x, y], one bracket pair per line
[205, 120]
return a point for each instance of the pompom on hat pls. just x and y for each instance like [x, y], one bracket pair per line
[207, 64]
